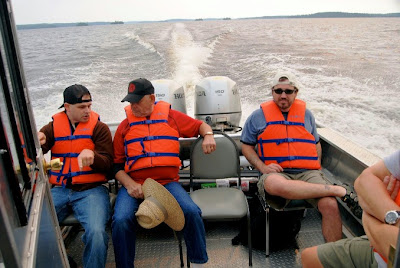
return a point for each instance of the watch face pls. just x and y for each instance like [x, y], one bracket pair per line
[391, 217]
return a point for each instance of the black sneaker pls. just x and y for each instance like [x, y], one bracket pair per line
[351, 200]
[357, 211]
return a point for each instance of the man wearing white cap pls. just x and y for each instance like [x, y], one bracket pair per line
[146, 145]
[289, 153]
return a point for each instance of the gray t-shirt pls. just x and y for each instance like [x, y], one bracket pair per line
[392, 163]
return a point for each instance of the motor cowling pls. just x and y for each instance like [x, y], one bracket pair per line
[171, 92]
[217, 102]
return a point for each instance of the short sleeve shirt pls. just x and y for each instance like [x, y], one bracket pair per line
[392, 163]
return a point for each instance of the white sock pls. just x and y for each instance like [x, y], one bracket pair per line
[196, 265]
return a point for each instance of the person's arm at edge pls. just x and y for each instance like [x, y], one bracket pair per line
[372, 193]
[380, 235]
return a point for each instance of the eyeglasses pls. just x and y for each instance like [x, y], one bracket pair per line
[287, 91]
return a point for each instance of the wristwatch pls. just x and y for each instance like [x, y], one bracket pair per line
[208, 133]
[392, 217]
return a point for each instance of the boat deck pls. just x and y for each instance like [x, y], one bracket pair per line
[159, 248]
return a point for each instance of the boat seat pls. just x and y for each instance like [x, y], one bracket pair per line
[292, 205]
[222, 203]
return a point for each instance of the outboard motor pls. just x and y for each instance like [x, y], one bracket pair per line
[217, 102]
[171, 92]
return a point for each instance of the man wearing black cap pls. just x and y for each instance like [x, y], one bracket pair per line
[84, 145]
[146, 145]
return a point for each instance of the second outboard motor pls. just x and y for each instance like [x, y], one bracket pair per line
[217, 102]
[171, 92]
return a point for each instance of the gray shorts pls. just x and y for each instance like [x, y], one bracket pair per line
[277, 202]
[348, 253]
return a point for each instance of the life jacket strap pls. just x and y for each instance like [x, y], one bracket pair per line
[148, 154]
[281, 159]
[73, 137]
[150, 138]
[288, 123]
[70, 155]
[280, 141]
[148, 122]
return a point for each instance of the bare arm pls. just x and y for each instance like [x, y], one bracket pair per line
[134, 189]
[252, 156]
[381, 235]
[208, 144]
[372, 192]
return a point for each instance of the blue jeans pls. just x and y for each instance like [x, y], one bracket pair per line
[92, 208]
[124, 226]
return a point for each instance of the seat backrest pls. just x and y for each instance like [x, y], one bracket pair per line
[224, 162]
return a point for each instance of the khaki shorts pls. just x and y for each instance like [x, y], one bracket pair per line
[355, 252]
[277, 202]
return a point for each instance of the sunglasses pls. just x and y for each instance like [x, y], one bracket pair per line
[287, 91]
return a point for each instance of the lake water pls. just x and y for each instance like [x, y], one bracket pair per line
[349, 68]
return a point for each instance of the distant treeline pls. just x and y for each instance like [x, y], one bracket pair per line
[332, 15]
[58, 25]
[316, 15]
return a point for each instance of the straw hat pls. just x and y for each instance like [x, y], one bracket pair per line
[159, 206]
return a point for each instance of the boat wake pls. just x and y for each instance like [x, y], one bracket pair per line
[147, 45]
[189, 55]
[213, 41]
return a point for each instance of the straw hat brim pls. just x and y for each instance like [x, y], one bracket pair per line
[175, 218]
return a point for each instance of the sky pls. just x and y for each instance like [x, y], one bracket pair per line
[50, 11]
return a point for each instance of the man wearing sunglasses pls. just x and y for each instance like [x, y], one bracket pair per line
[288, 156]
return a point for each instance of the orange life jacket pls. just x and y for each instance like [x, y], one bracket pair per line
[68, 145]
[151, 142]
[287, 142]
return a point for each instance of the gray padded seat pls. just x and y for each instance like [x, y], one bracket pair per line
[219, 204]
[213, 205]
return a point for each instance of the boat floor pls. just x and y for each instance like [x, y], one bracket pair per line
[159, 248]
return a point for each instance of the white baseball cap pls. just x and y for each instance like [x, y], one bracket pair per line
[285, 78]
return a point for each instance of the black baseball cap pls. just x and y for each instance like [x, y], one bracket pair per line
[73, 94]
[137, 89]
